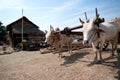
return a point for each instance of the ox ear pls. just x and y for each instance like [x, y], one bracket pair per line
[81, 21]
[46, 31]
[51, 28]
[88, 20]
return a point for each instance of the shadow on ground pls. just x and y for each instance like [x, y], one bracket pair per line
[6, 53]
[73, 58]
[113, 64]
[118, 65]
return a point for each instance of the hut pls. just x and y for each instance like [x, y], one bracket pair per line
[30, 32]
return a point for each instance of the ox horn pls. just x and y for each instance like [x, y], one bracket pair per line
[51, 28]
[45, 31]
[87, 20]
[81, 21]
[97, 16]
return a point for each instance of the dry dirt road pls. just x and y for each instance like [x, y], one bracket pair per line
[31, 65]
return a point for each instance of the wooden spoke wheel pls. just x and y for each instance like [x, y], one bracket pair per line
[105, 45]
[19, 46]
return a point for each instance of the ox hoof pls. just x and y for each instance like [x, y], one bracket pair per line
[98, 62]
[62, 56]
[112, 55]
[54, 52]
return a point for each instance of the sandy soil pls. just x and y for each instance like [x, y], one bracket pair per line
[32, 65]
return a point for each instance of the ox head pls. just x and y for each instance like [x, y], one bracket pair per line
[87, 31]
[52, 35]
[49, 35]
[91, 30]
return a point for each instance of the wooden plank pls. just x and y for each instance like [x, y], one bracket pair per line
[72, 33]
[77, 33]
[75, 27]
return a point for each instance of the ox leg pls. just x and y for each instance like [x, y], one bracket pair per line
[100, 55]
[100, 52]
[114, 46]
[113, 49]
[96, 60]
[100, 60]
[96, 53]
[60, 52]
[70, 48]
[96, 57]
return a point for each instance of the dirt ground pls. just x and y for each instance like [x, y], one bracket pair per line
[32, 65]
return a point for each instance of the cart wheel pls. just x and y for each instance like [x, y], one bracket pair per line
[105, 45]
[19, 47]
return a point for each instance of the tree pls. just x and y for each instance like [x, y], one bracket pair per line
[2, 33]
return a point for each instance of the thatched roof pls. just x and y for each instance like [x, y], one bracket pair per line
[27, 30]
[28, 27]
[24, 18]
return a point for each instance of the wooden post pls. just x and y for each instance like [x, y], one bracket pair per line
[22, 30]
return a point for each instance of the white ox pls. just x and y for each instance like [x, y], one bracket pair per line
[58, 40]
[97, 34]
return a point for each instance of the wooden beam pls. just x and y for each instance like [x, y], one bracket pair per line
[76, 27]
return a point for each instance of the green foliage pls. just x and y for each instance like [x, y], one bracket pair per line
[2, 34]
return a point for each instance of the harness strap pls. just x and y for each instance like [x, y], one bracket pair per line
[98, 34]
[93, 35]
[97, 23]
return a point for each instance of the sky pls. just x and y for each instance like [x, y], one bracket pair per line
[58, 13]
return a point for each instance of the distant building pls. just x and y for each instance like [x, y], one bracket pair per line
[117, 20]
[31, 31]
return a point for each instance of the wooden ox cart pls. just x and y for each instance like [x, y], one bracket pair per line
[68, 31]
